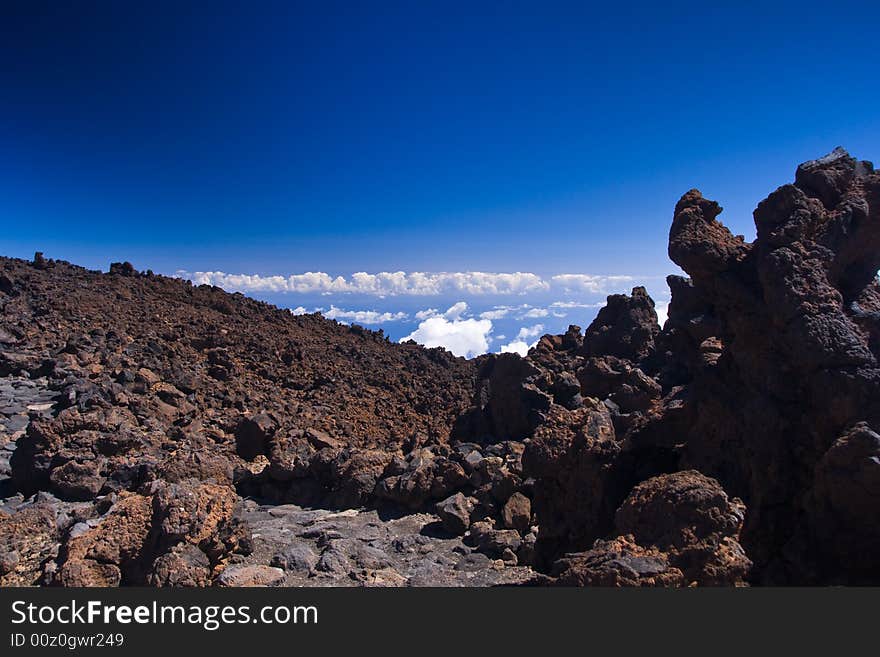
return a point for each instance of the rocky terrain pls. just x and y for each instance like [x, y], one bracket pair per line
[157, 433]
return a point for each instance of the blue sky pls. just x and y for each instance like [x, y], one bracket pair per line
[275, 139]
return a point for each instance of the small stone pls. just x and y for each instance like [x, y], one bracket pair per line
[319, 439]
[473, 459]
[493, 541]
[384, 577]
[77, 481]
[508, 556]
[256, 575]
[525, 556]
[185, 565]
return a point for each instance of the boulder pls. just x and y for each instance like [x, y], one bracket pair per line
[517, 513]
[296, 557]
[28, 538]
[150, 539]
[493, 542]
[689, 517]
[455, 513]
[78, 481]
[254, 575]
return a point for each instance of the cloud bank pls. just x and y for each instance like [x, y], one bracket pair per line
[381, 284]
[401, 283]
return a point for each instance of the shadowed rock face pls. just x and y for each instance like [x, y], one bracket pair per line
[673, 530]
[796, 313]
[625, 327]
[768, 381]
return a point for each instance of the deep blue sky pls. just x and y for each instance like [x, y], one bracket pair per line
[278, 138]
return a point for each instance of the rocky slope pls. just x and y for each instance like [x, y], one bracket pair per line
[139, 411]
[159, 433]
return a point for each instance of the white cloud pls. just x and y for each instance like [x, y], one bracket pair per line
[576, 304]
[662, 309]
[380, 284]
[515, 347]
[530, 331]
[498, 312]
[591, 283]
[362, 316]
[520, 347]
[463, 337]
[299, 310]
[456, 311]
[560, 309]
[524, 311]
[428, 312]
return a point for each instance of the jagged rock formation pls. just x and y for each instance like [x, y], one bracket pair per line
[797, 377]
[176, 535]
[765, 378]
[738, 445]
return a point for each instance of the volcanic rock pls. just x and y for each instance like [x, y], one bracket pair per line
[250, 576]
[517, 513]
[798, 366]
[616, 563]
[625, 327]
[28, 538]
[765, 379]
[144, 538]
[296, 557]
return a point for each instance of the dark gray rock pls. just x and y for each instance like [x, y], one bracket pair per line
[455, 513]
[297, 556]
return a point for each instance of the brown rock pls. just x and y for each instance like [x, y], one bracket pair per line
[77, 481]
[617, 563]
[517, 513]
[625, 327]
[150, 539]
[28, 538]
[688, 516]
